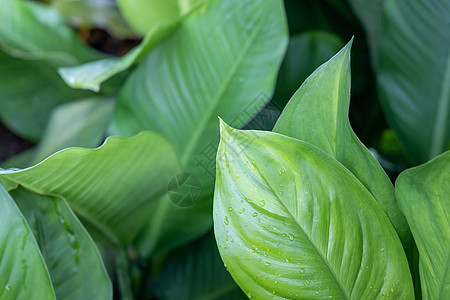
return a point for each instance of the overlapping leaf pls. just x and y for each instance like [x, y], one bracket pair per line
[71, 257]
[222, 59]
[423, 195]
[23, 274]
[319, 116]
[108, 187]
[414, 75]
[292, 222]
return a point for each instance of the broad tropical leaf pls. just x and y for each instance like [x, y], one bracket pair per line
[292, 222]
[110, 187]
[29, 91]
[414, 75]
[196, 272]
[71, 256]
[92, 74]
[319, 116]
[221, 60]
[423, 195]
[23, 274]
[36, 31]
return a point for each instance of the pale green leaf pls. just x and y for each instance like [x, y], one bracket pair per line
[92, 74]
[34, 30]
[23, 274]
[292, 222]
[71, 256]
[414, 75]
[423, 195]
[111, 188]
[318, 114]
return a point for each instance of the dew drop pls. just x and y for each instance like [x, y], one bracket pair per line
[237, 176]
[267, 263]
[302, 270]
[249, 295]
[287, 260]
[226, 220]
[255, 214]
[382, 249]
[280, 172]
[7, 288]
[291, 237]
[230, 208]
[243, 209]
[262, 203]
[280, 193]
[317, 292]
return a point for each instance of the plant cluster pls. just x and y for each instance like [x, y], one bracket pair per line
[134, 188]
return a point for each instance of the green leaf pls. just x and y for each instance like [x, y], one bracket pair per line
[110, 187]
[370, 14]
[305, 53]
[92, 74]
[94, 13]
[29, 91]
[319, 116]
[423, 195]
[23, 274]
[80, 123]
[292, 222]
[187, 274]
[222, 59]
[414, 75]
[33, 30]
[71, 256]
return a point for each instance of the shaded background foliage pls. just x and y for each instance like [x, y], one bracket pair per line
[33, 130]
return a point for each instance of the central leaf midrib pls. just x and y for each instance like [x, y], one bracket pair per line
[310, 241]
[192, 142]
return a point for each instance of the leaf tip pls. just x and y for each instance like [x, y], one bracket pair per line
[224, 127]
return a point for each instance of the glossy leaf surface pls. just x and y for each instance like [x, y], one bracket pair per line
[92, 74]
[319, 116]
[414, 75]
[23, 274]
[108, 187]
[292, 222]
[36, 31]
[70, 254]
[423, 195]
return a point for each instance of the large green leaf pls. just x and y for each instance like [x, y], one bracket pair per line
[92, 74]
[23, 274]
[29, 91]
[423, 195]
[222, 59]
[187, 274]
[414, 75]
[292, 222]
[36, 31]
[71, 256]
[108, 187]
[318, 114]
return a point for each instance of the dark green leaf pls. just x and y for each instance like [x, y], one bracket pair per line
[423, 195]
[29, 91]
[414, 75]
[292, 222]
[23, 274]
[71, 256]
